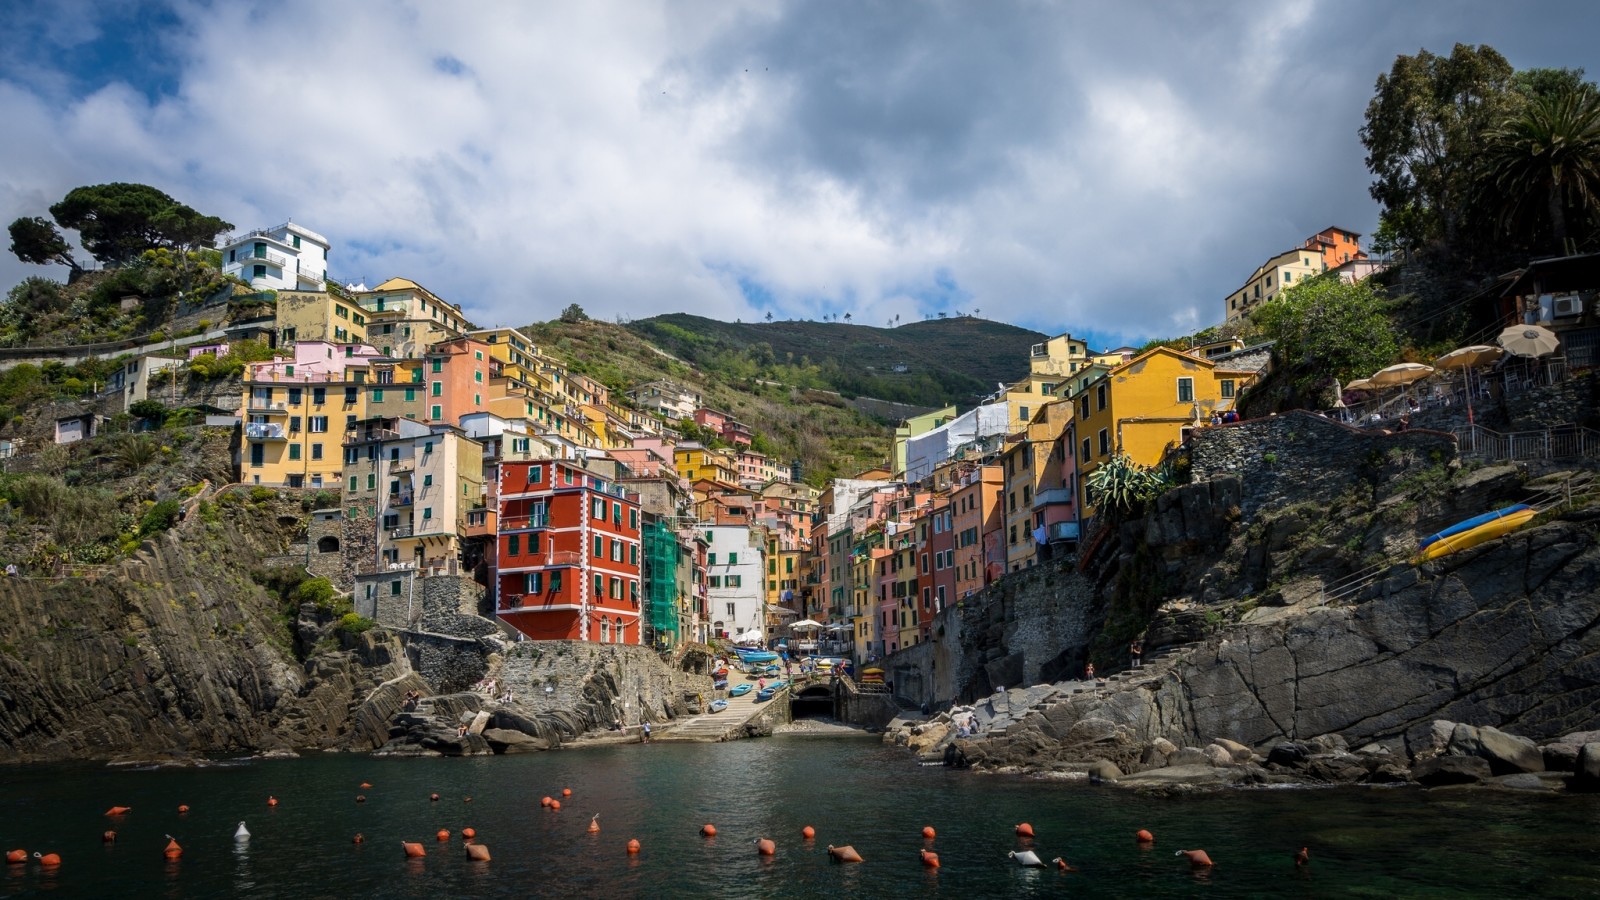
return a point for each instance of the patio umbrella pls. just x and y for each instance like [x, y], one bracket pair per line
[1400, 374]
[1467, 359]
[1529, 340]
[1359, 384]
[806, 624]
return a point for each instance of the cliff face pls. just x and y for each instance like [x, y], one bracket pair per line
[175, 650]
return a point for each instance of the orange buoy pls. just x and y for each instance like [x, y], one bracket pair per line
[361, 798]
[118, 810]
[846, 853]
[766, 847]
[633, 846]
[469, 833]
[594, 824]
[442, 835]
[109, 837]
[173, 851]
[183, 808]
[1062, 865]
[1303, 857]
[708, 830]
[555, 804]
[271, 800]
[477, 853]
[434, 797]
[928, 832]
[48, 860]
[1197, 858]
[365, 786]
[1144, 837]
[930, 859]
[1024, 830]
[545, 801]
[566, 792]
[16, 856]
[359, 838]
[413, 849]
[808, 832]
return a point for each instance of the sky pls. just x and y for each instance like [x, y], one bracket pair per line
[1112, 170]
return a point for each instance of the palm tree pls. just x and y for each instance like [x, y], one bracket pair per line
[1547, 154]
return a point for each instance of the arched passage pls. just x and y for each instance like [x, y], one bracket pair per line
[328, 544]
[812, 702]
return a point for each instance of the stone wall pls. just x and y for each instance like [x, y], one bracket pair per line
[1288, 458]
[866, 710]
[450, 606]
[599, 683]
[449, 664]
[324, 546]
[1570, 402]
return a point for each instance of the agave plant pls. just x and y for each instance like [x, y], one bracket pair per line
[1123, 486]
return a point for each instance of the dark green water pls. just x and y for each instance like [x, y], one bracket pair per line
[1364, 843]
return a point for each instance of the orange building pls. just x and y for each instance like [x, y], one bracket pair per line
[975, 503]
[1337, 246]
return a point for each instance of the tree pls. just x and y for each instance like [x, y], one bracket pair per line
[1542, 168]
[1326, 328]
[1423, 127]
[36, 240]
[847, 318]
[119, 221]
[574, 313]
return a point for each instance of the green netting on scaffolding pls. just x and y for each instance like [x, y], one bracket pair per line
[661, 580]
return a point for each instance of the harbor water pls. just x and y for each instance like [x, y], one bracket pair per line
[1380, 843]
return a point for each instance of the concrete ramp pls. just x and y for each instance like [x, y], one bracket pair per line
[713, 727]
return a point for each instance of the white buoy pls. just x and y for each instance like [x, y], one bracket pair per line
[241, 833]
[1026, 858]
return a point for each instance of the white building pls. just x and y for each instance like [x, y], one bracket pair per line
[286, 258]
[734, 580]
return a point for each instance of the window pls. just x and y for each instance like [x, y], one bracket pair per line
[599, 586]
[533, 583]
[438, 412]
[437, 389]
[733, 559]
[438, 365]
[294, 451]
[377, 395]
[714, 581]
[411, 395]
[350, 395]
[294, 395]
[319, 396]
[372, 482]
[711, 559]
[1013, 534]
[1227, 388]
[1288, 277]
[354, 483]
[294, 424]
[535, 474]
[616, 550]
[319, 424]
[616, 513]
[1022, 413]
[633, 517]
[599, 547]
[394, 588]
[1185, 390]
[734, 581]
[514, 545]
[316, 451]
[416, 376]
[1100, 398]
[478, 377]
[258, 271]
[731, 611]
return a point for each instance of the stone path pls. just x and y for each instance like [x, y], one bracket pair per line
[711, 727]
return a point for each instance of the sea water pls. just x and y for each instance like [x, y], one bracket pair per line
[1381, 843]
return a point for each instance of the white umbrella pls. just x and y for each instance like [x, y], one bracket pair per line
[1400, 374]
[1467, 359]
[806, 624]
[1529, 340]
[753, 634]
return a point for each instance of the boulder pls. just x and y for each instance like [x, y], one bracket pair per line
[1560, 757]
[1522, 781]
[1445, 770]
[1164, 746]
[1579, 738]
[1218, 755]
[1091, 731]
[1338, 768]
[1328, 743]
[1507, 754]
[1104, 770]
[504, 740]
[1240, 752]
[1187, 756]
[1439, 735]
[1289, 753]
[1153, 758]
[927, 737]
[1587, 775]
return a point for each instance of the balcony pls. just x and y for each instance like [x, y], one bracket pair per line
[480, 523]
[404, 531]
[563, 558]
[269, 407]
[316, 278]
[1052, 497]
[262, 431]
[356, 435]
[524, 523]
[262, 258]
[1062, 531]
[400, 498]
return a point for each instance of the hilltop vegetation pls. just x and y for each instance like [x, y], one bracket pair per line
[929, 363]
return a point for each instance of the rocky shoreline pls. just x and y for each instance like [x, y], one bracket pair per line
[1456, 755]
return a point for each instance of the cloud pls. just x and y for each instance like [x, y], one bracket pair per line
[1111, 171]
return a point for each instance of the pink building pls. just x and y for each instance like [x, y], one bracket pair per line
[317, 360]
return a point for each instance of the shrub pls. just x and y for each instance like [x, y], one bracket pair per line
[153, 411]
[261, 494]
[355, 623]
[159, 518]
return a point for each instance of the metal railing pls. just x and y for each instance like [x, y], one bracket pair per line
[258, 258]
[1561, 442]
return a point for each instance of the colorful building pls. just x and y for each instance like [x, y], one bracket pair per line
[734, 580]
[1329, 248]
[697, 462]
[975, 506]
[913, 426]
[297, 411]
[566, 565]
[404, 318]
[412, 487]
[286, 258]
[318, 316]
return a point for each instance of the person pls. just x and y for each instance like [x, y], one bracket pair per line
[1088, 672]
[962, 730]
[1216, 418]
[506, 697]
[1405, 423]
[461, 730]
[1136, 650]
[644, 733]
[761, 684]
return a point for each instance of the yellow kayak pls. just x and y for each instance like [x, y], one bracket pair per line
[1485, 532]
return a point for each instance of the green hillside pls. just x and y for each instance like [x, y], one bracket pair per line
[928, 363]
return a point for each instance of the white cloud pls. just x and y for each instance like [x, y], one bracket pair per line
[1115, 172]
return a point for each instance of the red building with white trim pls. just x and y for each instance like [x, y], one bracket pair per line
[566, 565]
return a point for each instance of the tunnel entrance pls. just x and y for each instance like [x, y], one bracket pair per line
[815, 702]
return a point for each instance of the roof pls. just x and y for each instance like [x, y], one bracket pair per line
[1559, 273]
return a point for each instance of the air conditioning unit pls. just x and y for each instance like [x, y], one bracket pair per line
[1568, 307]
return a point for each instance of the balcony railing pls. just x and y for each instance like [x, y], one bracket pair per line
[268, 406]
[563, 558]
[522, 523]
[1051, 497]
[271, 259]
[312, 276]
[372, 434]
[263, 431]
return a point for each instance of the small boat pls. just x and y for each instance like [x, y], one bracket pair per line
[720, 685]
[768, 692]
[774, 670]
[739, 690]
[718, 705]
[1475, 536]
[756, 657]
[1469, 524]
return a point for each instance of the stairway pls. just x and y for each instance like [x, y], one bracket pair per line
[711, 727]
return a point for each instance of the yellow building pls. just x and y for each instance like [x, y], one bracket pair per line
[404, 318]
[694, 462]
[1024, 464]
[414, 486]
[1051, 363]
[296, 413]
[1144, 407]
[318, 316]
[1276, 274]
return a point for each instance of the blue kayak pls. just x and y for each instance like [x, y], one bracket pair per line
[1470, 524]
[739, 690]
